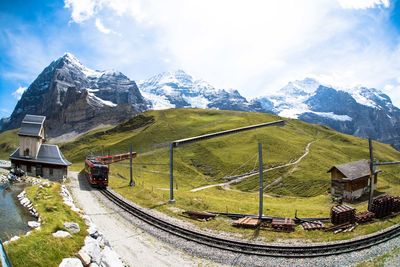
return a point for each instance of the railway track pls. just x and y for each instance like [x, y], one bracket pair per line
[249, 248]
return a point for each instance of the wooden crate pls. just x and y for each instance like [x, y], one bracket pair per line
[310, 226]
[202, 215]
[365, 216]
[286, 224]
[341, 214]
[247, 222]
[382, 206]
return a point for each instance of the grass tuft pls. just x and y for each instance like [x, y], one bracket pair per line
[40, 248]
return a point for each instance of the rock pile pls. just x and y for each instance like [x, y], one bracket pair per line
[36, 181]
[23, 199]
[97, 251]
[68, 200]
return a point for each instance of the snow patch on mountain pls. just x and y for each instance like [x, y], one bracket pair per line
[363, 95]
[197, 101]
[333, 116]
[180, 90]
[98, 102]
[290, 100]
[158, 102]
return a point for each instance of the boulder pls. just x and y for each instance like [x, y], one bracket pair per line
[84, 257]
[92, 248]
[71, 262]
[92, 230]
[61, 234]
[14, 238]
[33, 224]
[109, 258]
[25, 201]
[72, 227]
[77, 210]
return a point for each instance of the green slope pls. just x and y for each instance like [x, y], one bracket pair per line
[303, 186]
[208, 161]
[8, 143]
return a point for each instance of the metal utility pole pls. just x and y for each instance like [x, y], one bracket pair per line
[372, 173]
[185, 141]
[261, 189]
[171, 173]
[131, 182]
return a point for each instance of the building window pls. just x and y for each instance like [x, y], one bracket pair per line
[28, 168]
[26, 152]
[51, 171]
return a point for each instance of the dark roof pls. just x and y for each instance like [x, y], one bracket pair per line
[48, 154]
[354, 170]
[34, 119]
[31, 125]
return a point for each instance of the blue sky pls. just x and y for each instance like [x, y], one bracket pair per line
[253, 46]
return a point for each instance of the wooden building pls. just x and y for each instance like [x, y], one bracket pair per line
[350, 181]
[33, 156]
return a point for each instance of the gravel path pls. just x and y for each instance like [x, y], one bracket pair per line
[135, 246]
[164, 249]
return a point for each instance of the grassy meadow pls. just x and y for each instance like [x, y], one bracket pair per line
[303, 187]
[40, 248]
[8, 143]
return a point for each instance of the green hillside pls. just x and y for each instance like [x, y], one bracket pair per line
[8, 143]
[302, 185]
[209, 161]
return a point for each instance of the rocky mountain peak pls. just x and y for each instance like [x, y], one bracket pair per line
[178, 89]
[303, 87]
[75, 98]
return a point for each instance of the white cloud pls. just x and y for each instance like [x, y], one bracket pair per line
[256, 46]
[18, 93]
[100, 26]
[81, 9]
[363, 4]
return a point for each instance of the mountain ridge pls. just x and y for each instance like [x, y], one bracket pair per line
[76, 98]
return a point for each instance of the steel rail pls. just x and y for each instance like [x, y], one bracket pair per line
[250, 248]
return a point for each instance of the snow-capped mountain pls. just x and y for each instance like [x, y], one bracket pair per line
[360, 111]
[75, 98]
[180, 90]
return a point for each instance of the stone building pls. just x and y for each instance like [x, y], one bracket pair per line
[350, 181]
[33, 156]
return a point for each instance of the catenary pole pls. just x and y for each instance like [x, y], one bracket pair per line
[261, 192]
[131, 182]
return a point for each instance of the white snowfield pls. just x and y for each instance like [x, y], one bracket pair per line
[166, 88]
[333, 116]
[290, 101]
[97, 101]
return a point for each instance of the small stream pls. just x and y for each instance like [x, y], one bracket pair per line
[13, 217]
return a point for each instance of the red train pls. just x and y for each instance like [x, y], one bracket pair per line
[96, 172]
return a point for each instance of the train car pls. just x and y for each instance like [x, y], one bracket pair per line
[96, 173]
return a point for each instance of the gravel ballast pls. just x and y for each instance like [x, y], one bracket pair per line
[229, 258]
